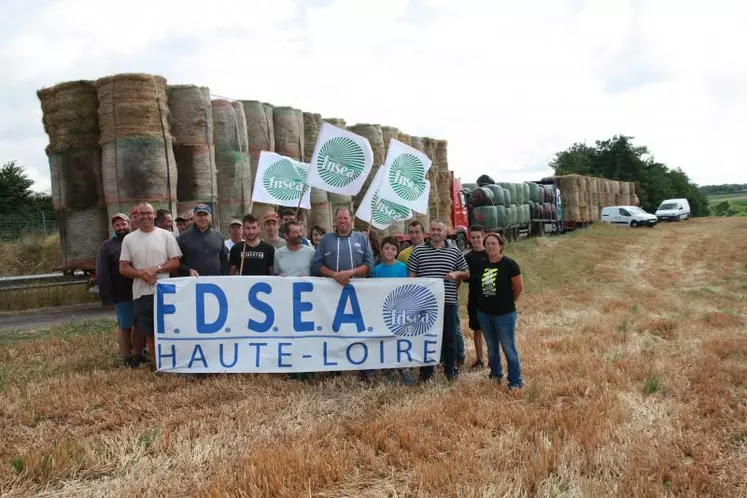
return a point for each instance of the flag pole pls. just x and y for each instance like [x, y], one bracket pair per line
[303, 192]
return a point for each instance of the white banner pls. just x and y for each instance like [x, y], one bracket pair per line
[341, 162]
[405, 180]
[305, 324]
[384, 212]
[280, 180]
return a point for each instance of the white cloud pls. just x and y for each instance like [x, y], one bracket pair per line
[507, 83]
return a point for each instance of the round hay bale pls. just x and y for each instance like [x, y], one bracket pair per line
[259, 209]
[338, 199]
[270, 113]
[320, 214]
[318, 196]
[135, 170]
[338, 122]
[441, 156]
[301, 136]
[507, 200]
[624, 188]
[424, 219]
[389, 132]
[76, 178]
[416, 143]
[571, 213]
[233, 172]
[312, 122]
[632, 188]
[198, 181]
[570, 197]
[287, 137]
[191, 115]
[81, 233]
[614, 187]
[534, 192]
[404, 138]
[129, 106]
[497, 194]
[487, 216]
[469, 187]
[70, 115]
[584, 213]
[483, 196]
[259, 130]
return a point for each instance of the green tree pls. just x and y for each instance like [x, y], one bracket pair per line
[15, 187]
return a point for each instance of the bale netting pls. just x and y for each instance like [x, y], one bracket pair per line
[416, 143]
[404, 138]
[320, 214]
[441, 156]
[312, 122]
[624, 188]
[233, 171]
[389, 132]
[338, 122]
[138, 169]
[191, 116]
[259, 129]
[129, 106]
[70, 115]
[301, 136]
[287, 137]
[198, 182]
[81, 233]
[270, 113]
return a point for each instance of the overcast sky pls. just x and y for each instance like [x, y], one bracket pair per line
[507, 83]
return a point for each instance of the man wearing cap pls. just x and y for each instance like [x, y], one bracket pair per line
[181, 224]
[271, 222]
[116, 289]
[203, 248]
[185, 221]
[234, 230]
[148, 254]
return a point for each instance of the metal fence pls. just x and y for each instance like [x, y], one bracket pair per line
[16, 226]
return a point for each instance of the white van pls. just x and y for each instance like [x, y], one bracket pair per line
[673, 210]
[631, 216]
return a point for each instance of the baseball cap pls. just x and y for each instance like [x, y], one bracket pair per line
[270, 216]
[235, 221]
[121, 216]
[179, 219]
[202, 208]
[186, 215]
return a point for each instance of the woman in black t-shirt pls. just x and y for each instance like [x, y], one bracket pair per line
[500, 288]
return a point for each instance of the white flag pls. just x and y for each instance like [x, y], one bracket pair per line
[405, 182]
[341, 162]
[281, 180]
[384, 212]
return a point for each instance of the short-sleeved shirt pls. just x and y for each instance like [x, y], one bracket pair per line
[396, 270]
[475, 260]
[430, 262]
[404, 254]
[257, 259]
[277, 243]
[496, 289]
[145, 250]
[294, 263]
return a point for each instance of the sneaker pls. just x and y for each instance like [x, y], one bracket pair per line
[515, 387]
[126, 361]
[477, 365]
[495, 378]
[137, 360]
[146, 357]
[368, 376]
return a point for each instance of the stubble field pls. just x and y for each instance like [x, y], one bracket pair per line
[634, 351]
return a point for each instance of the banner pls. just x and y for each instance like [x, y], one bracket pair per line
[384, 212]
[305, 324]
[404, 182]
[341, 162]
[280, 180]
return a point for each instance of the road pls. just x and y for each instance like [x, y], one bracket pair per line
[45, 318]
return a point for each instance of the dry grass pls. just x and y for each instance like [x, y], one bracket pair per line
[29, 255]
[634, 349]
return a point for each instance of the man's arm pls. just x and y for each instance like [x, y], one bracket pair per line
[223, 259]
[275, 267]
[317, 266]
[182, 243]
[126, 270]
[518, 284]
[103, 277]
[461, 272]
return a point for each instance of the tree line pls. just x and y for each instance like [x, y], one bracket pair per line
[724, 188]
[619, 159]
[22, 209]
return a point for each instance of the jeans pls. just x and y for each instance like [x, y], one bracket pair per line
[460, 339]
[448, 345]
[499, 331]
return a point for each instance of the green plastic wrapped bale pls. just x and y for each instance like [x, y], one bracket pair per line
[487, 216]
[527, 214]
[507, 199]
[534, 191]
[527, 192]
[469, 187]
[532, 210]
[497, 194]
[501, 216]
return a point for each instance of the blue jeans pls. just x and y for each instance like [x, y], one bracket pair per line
[448, 345]
[460, 339]
[499, 331]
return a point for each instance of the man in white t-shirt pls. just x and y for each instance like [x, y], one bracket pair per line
[148, 254]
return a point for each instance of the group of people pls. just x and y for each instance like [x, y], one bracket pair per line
[145, 248]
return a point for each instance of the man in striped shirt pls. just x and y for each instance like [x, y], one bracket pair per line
[438, 260]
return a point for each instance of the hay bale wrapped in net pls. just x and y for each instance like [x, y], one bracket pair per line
[404, 138]
[232, 162]
[615, 187]
[192, 129]
[389, 132]
[70, 115]
[259, 131]
[632, 188]
[375, 135]
[441, 155]
[338, 122]
[416, 143]
[301, 136]
[624, 188]
[425, 219]
[320, 214]
[127, 106]
[429, 150]
[444, 200]
[287, 134]
[312, 123]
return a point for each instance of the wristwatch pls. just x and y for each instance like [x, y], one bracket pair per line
[160, 268]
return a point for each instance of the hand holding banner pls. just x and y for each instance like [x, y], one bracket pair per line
[341, 162]
[379, 212]
[281, 180]
[404, 182]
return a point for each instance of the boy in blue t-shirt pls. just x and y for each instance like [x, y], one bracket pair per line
[391, 268]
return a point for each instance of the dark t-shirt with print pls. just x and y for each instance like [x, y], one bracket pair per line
[476, 260]
[257, 259]
[496, 289]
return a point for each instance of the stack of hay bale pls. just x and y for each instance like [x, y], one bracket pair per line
[138, 163]
[375, 135]
[70, 119]
[261, 136]
[338, 201]
[443, 178]
[232, 162]
[192, 129]
[321, 213]
[429, 149]
[571, 195]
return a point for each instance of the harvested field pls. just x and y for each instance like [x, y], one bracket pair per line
[634, 350]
